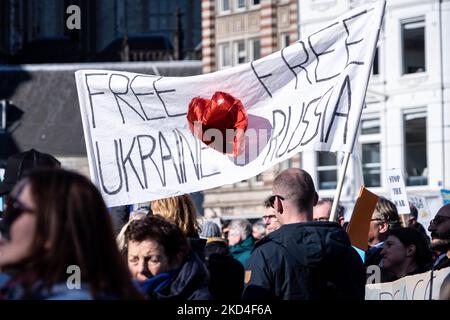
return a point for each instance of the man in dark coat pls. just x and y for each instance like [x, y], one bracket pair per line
[440, 237]
[303, 260]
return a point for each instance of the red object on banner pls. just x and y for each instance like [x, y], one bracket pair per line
[222, 112]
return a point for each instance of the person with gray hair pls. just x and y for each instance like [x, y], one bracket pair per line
[303, 259]
[259, 230]
[240, 240]
[322, 211]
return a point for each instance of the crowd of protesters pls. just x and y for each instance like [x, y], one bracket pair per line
[56, 220]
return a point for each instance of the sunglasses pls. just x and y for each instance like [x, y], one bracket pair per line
[272, 199]
[14, 209]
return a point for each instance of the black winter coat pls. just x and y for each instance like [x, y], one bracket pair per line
[304, 261]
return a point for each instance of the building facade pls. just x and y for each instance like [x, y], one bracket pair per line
[406, 121]
[236, 32]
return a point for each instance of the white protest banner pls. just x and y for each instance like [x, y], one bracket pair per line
[416, 287]
[150, 137]
[398, 190]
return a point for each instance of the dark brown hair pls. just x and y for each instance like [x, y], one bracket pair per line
[73, 227]
[158, 229]
[409, 236]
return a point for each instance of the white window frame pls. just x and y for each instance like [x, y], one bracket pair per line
[282, 40]
[370, 138]
[254, 6]
[326, 168]
[220, 6]
[239, 9]
[220, 50]
[252, 48]
[405, 113]
[412, 20]
[237, 53]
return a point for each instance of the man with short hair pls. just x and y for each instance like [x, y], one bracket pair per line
[240, 240]
[322, 211]
[269, 217]
[303, 259]
[384, 218]
[440, 237]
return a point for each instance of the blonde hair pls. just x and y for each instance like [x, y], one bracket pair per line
[179, 210]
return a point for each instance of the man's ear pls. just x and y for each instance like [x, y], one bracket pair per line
[278, 205]
[383, 227]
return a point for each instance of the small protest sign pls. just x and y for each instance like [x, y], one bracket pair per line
[398, 190]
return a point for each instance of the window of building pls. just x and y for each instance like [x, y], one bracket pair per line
[255, 2]
[370, 126]
[413, 45]
[371, 164]
[224, 55]
[240, 4]
[224, 5]
[255, 46]
[284, 40]
[240, 52]
[370, 142]
[327, 170]
[415, 144]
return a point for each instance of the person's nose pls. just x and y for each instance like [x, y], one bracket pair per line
[432, 227]
[143, 267]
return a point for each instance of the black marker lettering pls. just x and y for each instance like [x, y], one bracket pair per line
[117, 96]
[318, 54]
[110, 192]
[300, 65]
[260, 79]
[92, 93]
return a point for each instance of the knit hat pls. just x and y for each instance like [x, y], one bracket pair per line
[210, 229]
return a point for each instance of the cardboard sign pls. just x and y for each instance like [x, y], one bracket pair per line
[416, 287]
[358, 228]
[398, 190]
[141, 146]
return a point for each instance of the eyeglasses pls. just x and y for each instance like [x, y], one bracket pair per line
[439, 219]
[269, 216]
[272, 199]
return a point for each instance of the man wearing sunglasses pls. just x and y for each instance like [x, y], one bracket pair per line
[303, 259]
[440, 237]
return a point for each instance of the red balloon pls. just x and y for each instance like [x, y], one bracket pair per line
[224, 113]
